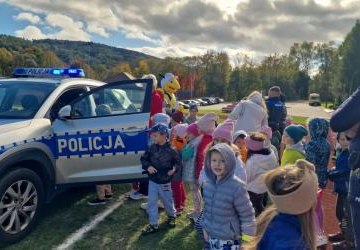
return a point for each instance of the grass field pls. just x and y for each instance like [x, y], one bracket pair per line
[122, 230]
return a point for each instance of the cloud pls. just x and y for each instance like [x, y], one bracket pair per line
[94, 28]
[30, 32]
[69, 29]
[25, 16]
[236, 56]
[257, 26]
[173, 51]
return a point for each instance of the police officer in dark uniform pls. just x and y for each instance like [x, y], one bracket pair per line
[347, 119]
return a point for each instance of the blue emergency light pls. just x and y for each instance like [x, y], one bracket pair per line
[48, 72]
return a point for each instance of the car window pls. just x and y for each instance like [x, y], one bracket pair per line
[22, 100]
[65, 98]
[111, 100]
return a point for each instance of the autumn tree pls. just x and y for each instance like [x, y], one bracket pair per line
[142, 68]
[350, 61]
[50, 60]
[6, 59]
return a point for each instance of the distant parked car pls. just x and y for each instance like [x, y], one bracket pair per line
[186, 102]
[314, 99]
[214, 100]
[208, 100]
[186, 106]
[219, 100]
[195, 102]
[202, 103]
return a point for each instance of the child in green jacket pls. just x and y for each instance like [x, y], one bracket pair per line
[294, 149]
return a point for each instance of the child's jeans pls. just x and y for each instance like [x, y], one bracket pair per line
[354, 200]
[343, 216]
[257, 201]
[179, 195]
[102, 190]
[216, 244]
[164, 192]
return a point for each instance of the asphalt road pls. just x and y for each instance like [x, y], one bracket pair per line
[298, 108]
[301, 108]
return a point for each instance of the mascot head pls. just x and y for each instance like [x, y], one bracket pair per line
[169, 83]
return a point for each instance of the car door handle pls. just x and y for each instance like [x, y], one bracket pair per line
[133, 130]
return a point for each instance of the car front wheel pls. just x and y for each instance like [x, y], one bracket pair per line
[21, 199]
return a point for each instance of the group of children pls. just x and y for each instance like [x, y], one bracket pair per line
[231, 176]
[234, 175]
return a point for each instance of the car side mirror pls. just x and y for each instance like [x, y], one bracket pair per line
[65, 112]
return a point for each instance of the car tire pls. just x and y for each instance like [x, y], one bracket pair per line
[21, 201]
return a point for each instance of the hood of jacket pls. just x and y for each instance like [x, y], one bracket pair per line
[230, 161]
[257, 99]
[298, 147]
[318, 128]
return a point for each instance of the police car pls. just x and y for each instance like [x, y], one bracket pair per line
[59, 129]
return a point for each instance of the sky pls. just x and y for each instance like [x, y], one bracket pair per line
[183, 27]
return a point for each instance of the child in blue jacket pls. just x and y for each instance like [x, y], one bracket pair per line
[340, 175]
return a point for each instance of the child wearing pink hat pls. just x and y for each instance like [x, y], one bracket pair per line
[224, 132]
[267, 131]
[188, 155]
[260, 160]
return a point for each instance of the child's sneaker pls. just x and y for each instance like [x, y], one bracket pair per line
[149, 229]
[96, 202]
[321, 240]
[171, 221]
[145, 205]
[108, 197]
[137, 196]
[343, 245]
[336, 237]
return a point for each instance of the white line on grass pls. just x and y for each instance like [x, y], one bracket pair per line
[73, 238]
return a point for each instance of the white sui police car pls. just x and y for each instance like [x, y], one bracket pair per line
[59, 129]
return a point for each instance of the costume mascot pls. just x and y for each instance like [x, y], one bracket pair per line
[169, 87]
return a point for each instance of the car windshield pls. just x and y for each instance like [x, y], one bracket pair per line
[21, 100]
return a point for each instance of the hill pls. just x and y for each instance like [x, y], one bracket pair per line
[70, 51]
